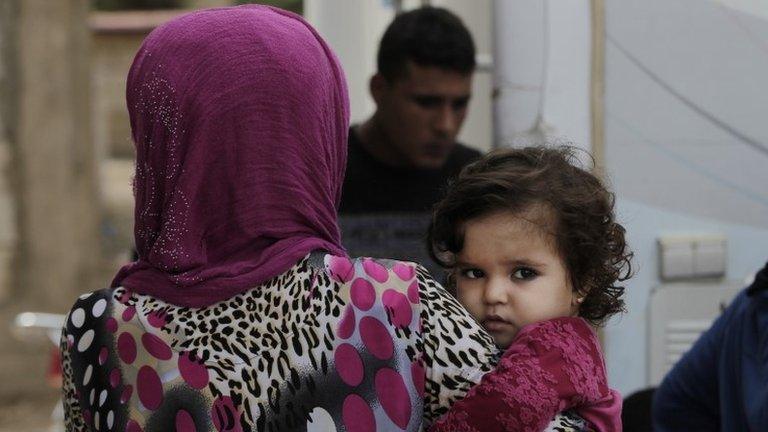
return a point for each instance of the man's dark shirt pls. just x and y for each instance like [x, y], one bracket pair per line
[385, 211]
[371, 186]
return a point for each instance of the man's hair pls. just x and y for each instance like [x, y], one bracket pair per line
[580, 216]
[427, 36]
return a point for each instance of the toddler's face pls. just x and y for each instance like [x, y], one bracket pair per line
[509, 274]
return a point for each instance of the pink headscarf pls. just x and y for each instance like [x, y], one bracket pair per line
[240, 119]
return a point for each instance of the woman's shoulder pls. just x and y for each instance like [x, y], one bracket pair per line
[378, 271]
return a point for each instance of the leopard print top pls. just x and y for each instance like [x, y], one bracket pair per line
[331, 344]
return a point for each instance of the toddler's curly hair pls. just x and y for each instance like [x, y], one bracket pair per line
[581, 218]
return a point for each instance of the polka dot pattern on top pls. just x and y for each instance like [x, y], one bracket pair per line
[331, 344]
[377, 317]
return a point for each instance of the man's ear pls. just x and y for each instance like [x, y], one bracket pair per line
[378, 86]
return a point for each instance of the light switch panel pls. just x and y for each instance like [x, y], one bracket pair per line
[692, 256]
[709, 256]
[676, 258]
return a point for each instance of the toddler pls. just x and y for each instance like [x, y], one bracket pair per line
[534, 253]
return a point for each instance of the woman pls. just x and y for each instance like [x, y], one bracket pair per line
[242, 311]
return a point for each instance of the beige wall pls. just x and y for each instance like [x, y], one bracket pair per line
[112, 56]
[50, 167]
[8, 14]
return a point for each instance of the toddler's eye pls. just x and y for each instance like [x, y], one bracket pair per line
[524, 273]
[472, 273]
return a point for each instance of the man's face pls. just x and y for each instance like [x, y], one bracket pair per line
[421, 113]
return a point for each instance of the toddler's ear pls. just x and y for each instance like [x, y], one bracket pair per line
[577, 298]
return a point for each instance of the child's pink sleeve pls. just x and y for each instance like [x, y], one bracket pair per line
[550, 367]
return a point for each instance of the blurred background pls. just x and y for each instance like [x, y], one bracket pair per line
[670, 96]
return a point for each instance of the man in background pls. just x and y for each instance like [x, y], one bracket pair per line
[401, 158]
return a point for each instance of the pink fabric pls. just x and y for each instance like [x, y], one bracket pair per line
[240, 118]
[605, 414]
[550, 367]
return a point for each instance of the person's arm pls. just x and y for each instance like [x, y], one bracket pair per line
[551, 366]
[688, 397]
[73, 418]
[457, 351]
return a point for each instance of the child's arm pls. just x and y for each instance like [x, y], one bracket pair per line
[551, 366]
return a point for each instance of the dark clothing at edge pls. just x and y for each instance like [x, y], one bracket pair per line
[721, 384]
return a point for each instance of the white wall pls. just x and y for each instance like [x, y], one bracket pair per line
[567, 95]
[753, 7]
[686, 144]
[543, 68]
[353, 30]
